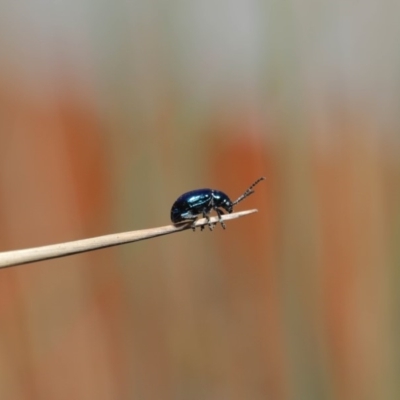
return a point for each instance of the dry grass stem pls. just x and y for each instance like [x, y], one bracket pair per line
[18, 257]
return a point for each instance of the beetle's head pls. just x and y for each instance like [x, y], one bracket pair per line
[221, 200]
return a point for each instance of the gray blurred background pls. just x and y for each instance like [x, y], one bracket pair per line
[109, 110]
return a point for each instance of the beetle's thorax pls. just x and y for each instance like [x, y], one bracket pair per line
[220, 199]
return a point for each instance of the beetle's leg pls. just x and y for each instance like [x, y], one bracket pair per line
[207, 217]
[220, 212]
[193, 225]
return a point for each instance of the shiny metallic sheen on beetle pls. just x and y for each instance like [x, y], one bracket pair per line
[189, 206]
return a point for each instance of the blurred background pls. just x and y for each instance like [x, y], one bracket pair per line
[110, 110]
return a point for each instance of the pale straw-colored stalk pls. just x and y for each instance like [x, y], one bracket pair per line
[18, 257]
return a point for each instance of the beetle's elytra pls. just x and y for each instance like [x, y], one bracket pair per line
[200, 202]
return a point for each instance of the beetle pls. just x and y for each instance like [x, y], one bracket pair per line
[190, 205]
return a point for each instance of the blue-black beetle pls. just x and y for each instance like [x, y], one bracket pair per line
[189, 206]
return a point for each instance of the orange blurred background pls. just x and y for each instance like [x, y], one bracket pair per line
[110, 110]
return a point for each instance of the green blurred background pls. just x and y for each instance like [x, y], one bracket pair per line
[109, 110]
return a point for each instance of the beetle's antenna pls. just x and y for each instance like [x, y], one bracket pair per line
[249, 191]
